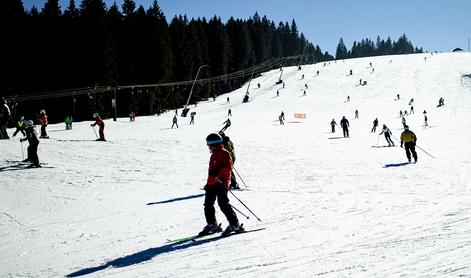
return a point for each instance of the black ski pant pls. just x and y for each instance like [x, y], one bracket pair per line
[43, 131]
[410, 148]
[388, 138]
[345, 132]
[18, 129]
[373, 129]
[233, 180]
[220, 192]
[333, 129]
[33, 154]
[174, 125]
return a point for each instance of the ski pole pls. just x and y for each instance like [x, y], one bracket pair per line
[240, 177]
[425, 152]
[22, 151]
[239, 212]
[245, 206]
[94, 131]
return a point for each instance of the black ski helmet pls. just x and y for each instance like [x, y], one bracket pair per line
[213, 139]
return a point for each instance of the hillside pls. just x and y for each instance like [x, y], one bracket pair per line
[331, 206]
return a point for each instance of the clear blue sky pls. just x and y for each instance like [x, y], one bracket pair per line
[439, 25]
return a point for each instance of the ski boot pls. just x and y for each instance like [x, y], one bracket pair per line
[210, 229]
[233, 229]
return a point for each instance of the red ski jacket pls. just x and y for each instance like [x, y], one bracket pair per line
[220, 167]
[98, 121]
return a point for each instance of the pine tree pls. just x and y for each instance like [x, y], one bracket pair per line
[342, 51]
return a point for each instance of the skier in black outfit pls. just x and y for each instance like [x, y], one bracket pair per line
[375, 124]
[333, 124]
[226, 126]
[345, 124]
[387, 135]
[33, 141]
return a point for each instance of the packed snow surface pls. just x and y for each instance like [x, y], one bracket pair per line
[331, 206]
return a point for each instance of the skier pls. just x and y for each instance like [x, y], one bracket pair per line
[360, 81]
[229, 113]
[101, 124]
[356, 114]
[345, 124]
[33, 141]
[411, 101]
[4, 118]
[227, 100]
[20, 127]
[317, 73]
[305, 86]
[68, 122]
[441, 102]
[409, 139]
[277, 93]
[387, 135]
[375, 124]
[43, 119]
[226, 126]
[302, 77]
[192, 119]
[229, 146]
[348, 98]
[400, 113]
[258, 85]
[282, 115]
[351, 72]
[175, 121]
[332, 125]
[403, 121]
[412, 110]
[398, 97]
[280, 118]
[219, 179]
[304, 94]
[425, 121]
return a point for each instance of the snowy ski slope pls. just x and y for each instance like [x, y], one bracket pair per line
[331, 206]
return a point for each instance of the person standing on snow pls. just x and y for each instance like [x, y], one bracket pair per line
[280, 118]
[375, 124]
[387, 135]
[217, 186]
[101, 124]
[33, 141]
[20, 127]
[43, 119]
[332, 125]
[356, 114]
[175, 121]
[345, 124]
[408, 139]
[229, 113]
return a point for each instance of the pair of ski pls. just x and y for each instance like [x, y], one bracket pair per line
[205, 236]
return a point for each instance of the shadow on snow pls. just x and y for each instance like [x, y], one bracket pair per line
[142, 256]
[176, 199]
[396, 165]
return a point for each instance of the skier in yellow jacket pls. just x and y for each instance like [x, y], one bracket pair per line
[408, 139]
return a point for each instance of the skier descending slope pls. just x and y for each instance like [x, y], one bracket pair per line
[219, 180]
[345, 124]
[409, 139]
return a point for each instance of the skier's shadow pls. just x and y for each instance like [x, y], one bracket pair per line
[396, 165]
[176, 199]
[142, 256]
